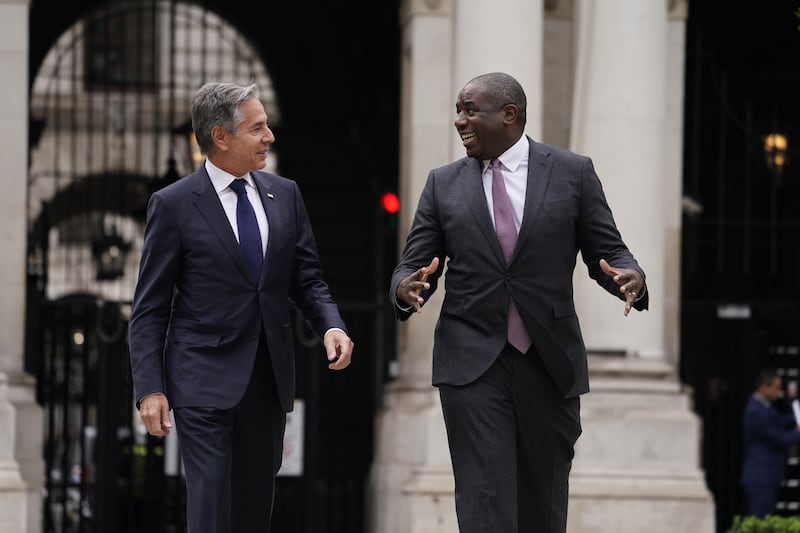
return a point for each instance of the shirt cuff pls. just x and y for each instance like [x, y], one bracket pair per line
[333, 329]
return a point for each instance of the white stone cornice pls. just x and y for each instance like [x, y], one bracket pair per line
[416, 8]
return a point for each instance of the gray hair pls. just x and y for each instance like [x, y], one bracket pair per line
[217, 104]
[502, 89]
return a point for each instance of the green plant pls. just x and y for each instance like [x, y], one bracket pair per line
[768, 524]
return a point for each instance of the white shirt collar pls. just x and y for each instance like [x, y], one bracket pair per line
[221, 179]
[515, 155]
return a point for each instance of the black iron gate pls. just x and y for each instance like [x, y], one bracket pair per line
[102, 474]
[109, 125]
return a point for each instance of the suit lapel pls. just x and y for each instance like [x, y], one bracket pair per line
[472, 182]
[539, 173]
[268, 201]
[208, 204]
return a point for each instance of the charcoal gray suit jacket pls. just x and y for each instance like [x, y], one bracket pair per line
[565, 212]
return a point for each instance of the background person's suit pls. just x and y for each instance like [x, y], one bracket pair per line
[767, 437]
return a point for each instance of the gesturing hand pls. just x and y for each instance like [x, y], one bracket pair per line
[408, 291]
[629, 280]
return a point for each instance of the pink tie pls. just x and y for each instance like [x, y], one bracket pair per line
[507, 237]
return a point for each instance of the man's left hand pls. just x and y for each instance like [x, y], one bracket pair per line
[339, 348]
[629, 280]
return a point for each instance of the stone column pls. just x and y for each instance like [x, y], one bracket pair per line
[637, 462]
[619, 119]
[20, 416]
[411, 479]
[504, 36]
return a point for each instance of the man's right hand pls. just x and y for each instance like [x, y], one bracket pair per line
[408, 292]
[154, 412]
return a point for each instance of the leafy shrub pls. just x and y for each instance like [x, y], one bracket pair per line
[768, 524]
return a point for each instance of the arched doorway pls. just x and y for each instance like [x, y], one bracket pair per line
[110, 110]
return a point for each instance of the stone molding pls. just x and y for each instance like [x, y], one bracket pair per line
[429, 8]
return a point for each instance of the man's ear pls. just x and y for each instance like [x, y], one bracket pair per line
[510, 113]
[220, 137]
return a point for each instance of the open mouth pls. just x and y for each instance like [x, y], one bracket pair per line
[467, 138]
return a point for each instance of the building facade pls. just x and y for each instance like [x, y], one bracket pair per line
[94, 116]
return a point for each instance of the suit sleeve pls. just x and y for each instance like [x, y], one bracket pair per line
[766, 425]
[152, 300]
[424, 242]
[598, 236]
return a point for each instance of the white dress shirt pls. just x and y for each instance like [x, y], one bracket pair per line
[227, 196]
[515, 174]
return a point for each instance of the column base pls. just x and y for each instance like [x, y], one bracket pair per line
[637, 462]
[411, 482]
[632, 502]
[13, 490]
[29, 444]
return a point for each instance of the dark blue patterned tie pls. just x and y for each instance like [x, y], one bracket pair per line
[249, 236]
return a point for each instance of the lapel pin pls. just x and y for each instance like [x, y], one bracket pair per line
[269, 195]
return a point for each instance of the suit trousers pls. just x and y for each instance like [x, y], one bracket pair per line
[511, 438]
[231, 457]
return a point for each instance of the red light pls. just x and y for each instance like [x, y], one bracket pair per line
[390, 202]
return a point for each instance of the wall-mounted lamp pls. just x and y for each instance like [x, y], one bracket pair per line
[776, 152]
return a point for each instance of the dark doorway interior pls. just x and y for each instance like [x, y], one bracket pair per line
[741, 236]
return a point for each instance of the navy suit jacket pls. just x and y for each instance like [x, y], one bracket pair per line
[767, 437]
[565, 212]
[197, 315]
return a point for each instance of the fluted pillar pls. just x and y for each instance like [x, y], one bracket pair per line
[619, 118]
[500, 36]
[21, 466]
[637, 462]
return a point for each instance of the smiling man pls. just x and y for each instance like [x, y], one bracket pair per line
[226, 249]
[508, 356]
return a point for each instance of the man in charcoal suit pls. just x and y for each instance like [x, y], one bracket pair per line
[508, 356]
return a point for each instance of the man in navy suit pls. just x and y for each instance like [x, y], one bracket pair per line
[510, 405]
[767, 437]
[210, 329]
